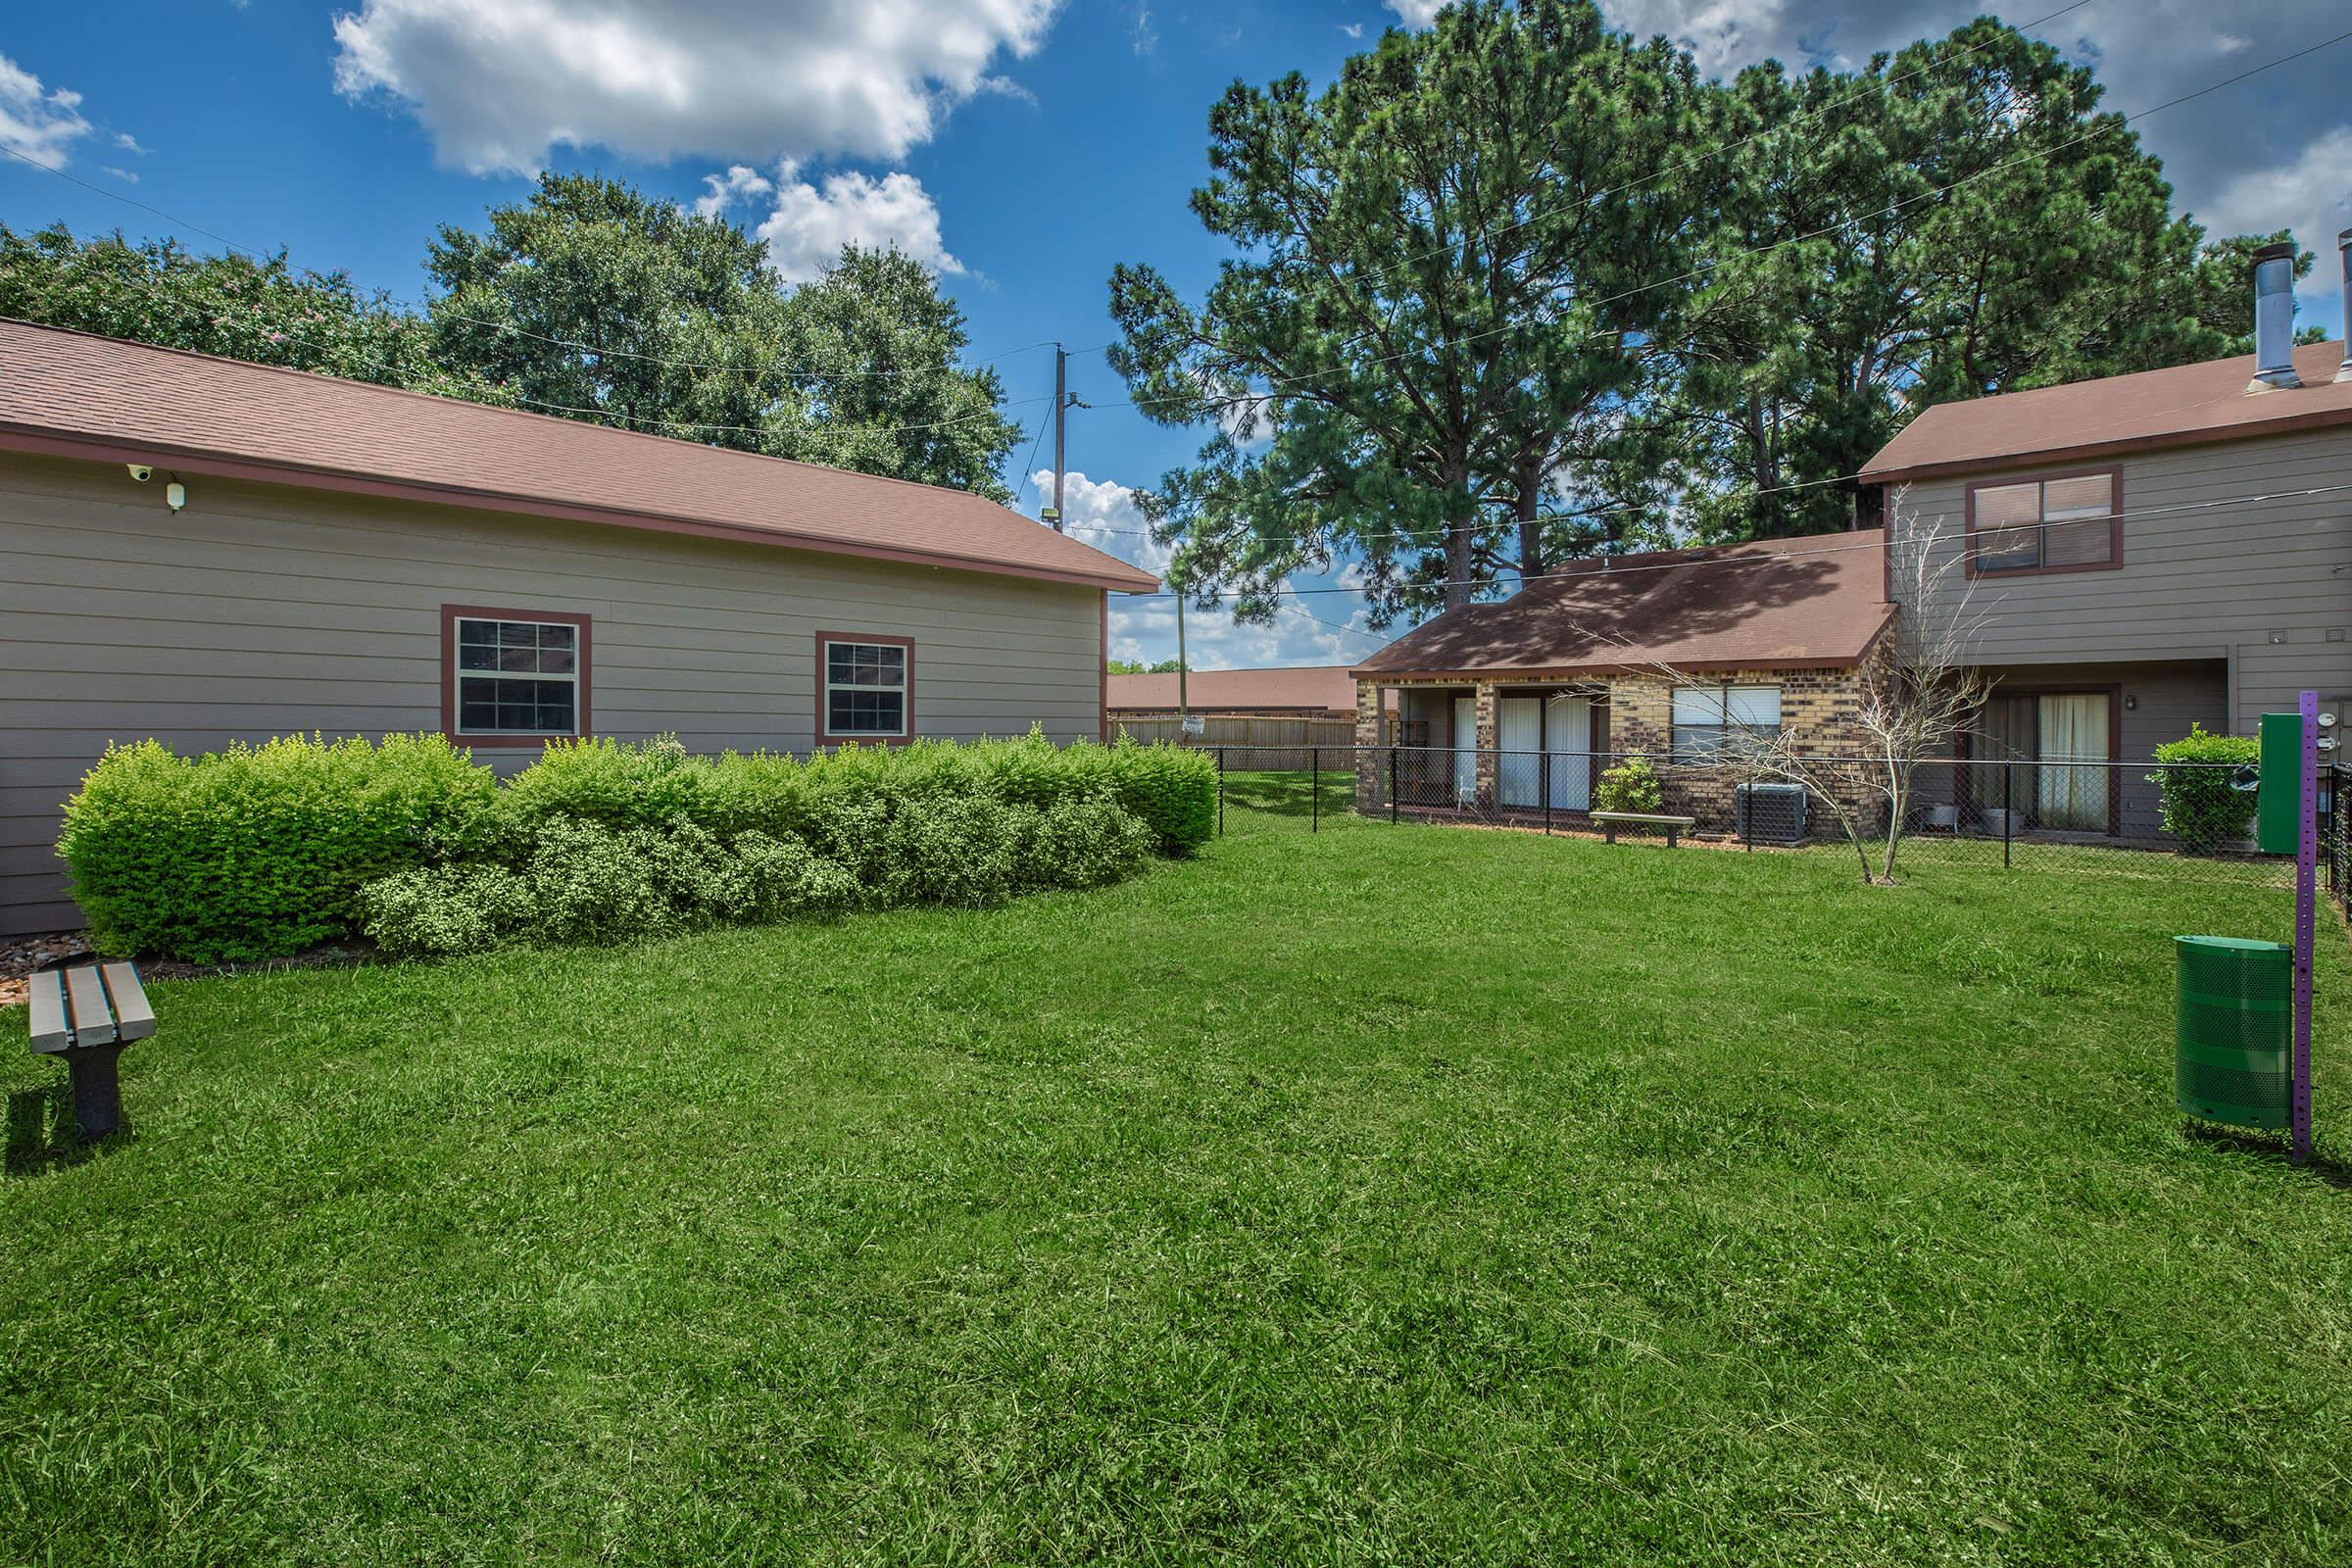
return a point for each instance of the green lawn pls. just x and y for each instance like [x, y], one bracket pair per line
[1385, 1195]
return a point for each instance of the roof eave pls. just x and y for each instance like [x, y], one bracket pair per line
[2121, 446]
[41, 441]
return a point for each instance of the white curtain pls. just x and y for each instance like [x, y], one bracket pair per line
[2074, 729]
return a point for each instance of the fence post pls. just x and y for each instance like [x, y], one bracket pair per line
[1315, 789]
[1391, 786]
[2008, 809]
[1543, 761]
[1220, 792]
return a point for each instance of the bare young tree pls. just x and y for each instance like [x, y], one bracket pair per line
[1919, 693]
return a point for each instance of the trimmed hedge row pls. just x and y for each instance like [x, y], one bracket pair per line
[257, 851]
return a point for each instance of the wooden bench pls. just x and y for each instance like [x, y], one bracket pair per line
[1675, 826]
[86, 1012]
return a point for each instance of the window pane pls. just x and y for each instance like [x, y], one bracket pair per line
[1756, 708]
[1694, 707]
[1697, 742]
[2090, 495]
[864, 664]
[489, 705]
[857, 711]
[2008, 504]
[2008, 549]
[2089, 543]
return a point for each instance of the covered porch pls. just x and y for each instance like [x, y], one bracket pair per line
[1496, 748]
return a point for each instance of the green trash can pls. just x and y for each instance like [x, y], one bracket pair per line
[2235, 1023]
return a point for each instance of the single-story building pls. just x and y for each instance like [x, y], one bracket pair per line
[1299, 691]
[1514, 706]
[204, 551]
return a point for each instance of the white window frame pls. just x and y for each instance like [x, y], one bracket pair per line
[1714, 707]
[459, 674]
[827, 686]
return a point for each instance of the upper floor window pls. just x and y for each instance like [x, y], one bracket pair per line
[514, 676]
[2062, 524]
[1709, 721]
[865, 688]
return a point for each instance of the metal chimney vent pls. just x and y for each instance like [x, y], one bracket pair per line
[2275, 318]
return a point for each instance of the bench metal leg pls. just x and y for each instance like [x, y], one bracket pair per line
[1609, 832]
[1673, 836]
[97, 1091]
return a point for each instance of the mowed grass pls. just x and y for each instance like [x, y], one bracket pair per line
[1384, 1195]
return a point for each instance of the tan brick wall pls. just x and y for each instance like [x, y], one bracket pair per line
[1818, 709]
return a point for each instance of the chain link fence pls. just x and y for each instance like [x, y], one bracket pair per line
[2170, 819]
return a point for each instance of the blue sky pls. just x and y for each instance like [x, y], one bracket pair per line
[1022, 147]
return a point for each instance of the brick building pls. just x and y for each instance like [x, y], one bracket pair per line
[1516, 705]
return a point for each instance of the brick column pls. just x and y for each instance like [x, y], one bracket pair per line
[1369, 759]
[1489, 764]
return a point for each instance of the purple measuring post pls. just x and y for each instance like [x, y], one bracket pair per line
[2307, 873]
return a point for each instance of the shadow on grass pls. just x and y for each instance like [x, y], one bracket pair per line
[42, 1135]
[1288, 795]
[2272, 1147]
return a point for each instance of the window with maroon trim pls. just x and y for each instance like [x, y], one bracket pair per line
[865, 688]
[515, 676]
[2067, 524]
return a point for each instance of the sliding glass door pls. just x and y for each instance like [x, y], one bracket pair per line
[2044, 756]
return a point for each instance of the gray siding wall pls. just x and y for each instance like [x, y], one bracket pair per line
[263, 610]
[2265, 587]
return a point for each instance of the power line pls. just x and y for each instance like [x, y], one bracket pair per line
[1704, 267]
[1607, 567]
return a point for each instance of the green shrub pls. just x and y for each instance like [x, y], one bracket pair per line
[433, 911]
[2202, 808]
[1172, 789]
[962, 852]
[265, 850]
[589, 883]
[1629, 786]
[256, 851]
[1088, 843]
[775, 879]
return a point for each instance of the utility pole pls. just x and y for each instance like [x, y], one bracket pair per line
[1061, 406]
[1184, 670]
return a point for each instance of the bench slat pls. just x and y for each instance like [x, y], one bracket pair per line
[48, 998]
[93, 1020]
[134, 1017]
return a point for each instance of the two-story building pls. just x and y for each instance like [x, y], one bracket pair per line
[2140, 553]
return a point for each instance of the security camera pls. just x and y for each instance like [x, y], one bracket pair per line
[140, 472]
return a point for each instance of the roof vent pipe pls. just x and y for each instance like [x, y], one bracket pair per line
[2275, 318]
[2343, 247]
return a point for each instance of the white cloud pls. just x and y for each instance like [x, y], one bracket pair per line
[808, 225]
[498, 84]
[1353, 29]
[131, 144]
[36, 123]
[1314, 630]
[123, 174]
[1414, 13]
[2309, 193]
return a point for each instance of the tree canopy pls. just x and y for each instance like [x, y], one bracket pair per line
[265, 310]
[1517, 287]
[1423, 337]
[589, 300]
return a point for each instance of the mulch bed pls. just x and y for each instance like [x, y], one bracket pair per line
[22, 957]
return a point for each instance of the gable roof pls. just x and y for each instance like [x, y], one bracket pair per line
[73, 394]
[2187, 405]
[1816, 602]
[1315, 687]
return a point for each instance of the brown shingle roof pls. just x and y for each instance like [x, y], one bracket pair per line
[1780, 603]
[1301, 688]
[2185, 405]
[73, 394]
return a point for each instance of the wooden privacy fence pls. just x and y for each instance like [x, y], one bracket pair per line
[1292, 738]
